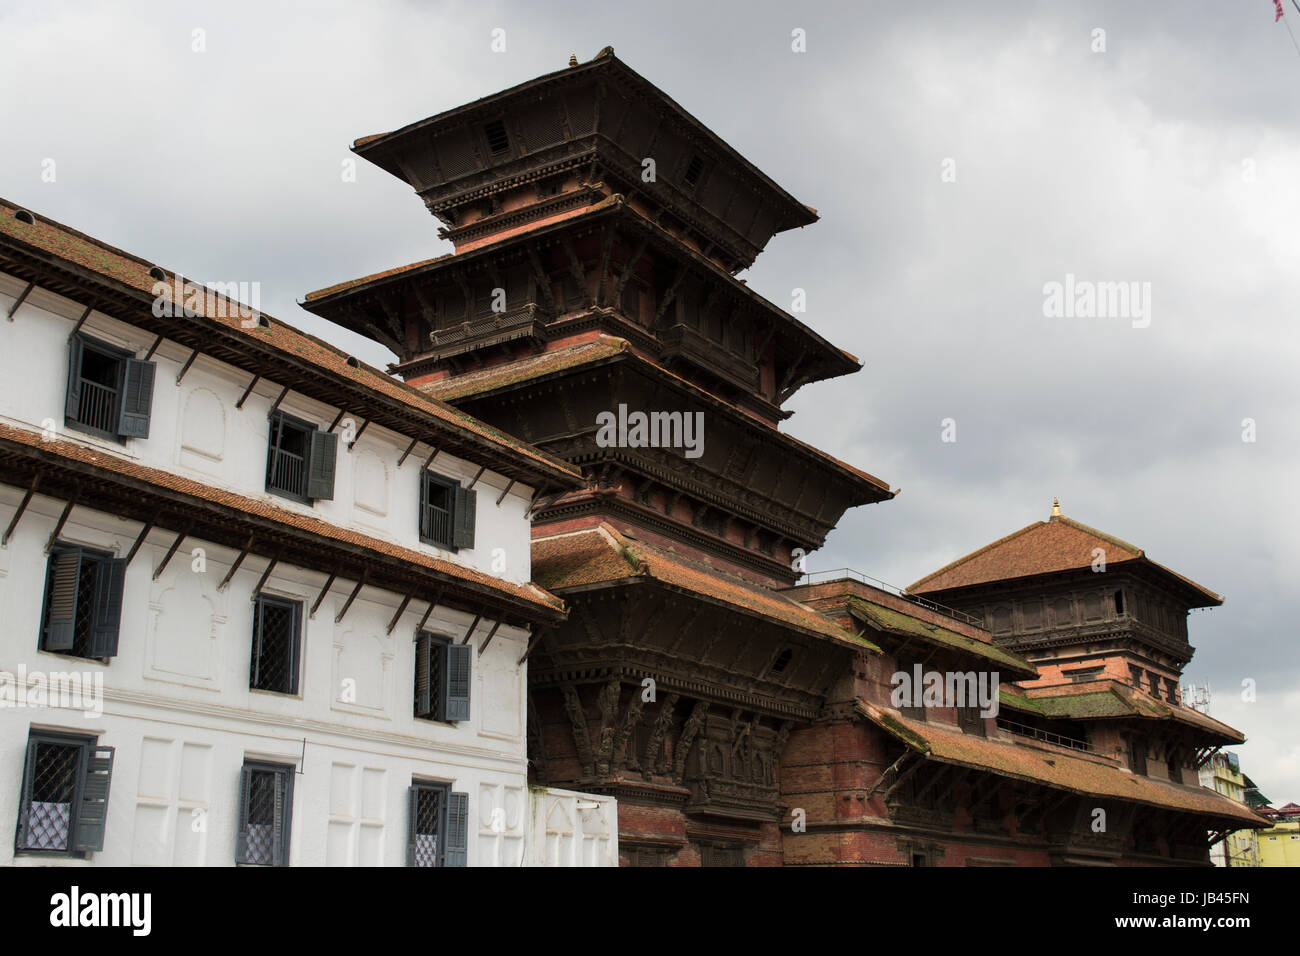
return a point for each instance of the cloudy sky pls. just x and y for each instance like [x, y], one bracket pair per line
[962, 156]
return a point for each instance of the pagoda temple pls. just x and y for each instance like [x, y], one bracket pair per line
[740, 717]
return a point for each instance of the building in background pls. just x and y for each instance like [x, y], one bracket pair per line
[1279, 845]
[741, 715]
[263, 604]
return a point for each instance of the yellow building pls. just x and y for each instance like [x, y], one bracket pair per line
[1280, 846]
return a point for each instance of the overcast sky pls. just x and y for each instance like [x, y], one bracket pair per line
[1171, 157]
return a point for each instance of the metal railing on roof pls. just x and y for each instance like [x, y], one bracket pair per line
[814, 576]
[1024, 730]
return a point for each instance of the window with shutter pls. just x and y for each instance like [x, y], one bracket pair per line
[289, 457]
[442, 678]
[437, 505]
[458, 682]
[265, 814]
[277, 627]
[82, 613]
[109, 393]
[426, 823]
[457, 852]
[63, 808]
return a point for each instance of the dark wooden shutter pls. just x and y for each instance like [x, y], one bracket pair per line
[283, 814]
[458, 657]
[72, 407]
[92, 811]
[108, 608]
[424, 671]
[25, 804]
[457, 841]
[295, 648]
[412, 813]
[137, 399]
[241, 832]
[464, 517]
[320, 473]
[65, 582]
[426, 526]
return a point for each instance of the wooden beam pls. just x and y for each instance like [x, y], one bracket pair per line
[82, 321]
[472, 626]
[409, 448]
[357, 437]
[139, 540]
[186, 367]
[20, 300]
[22, 506]
[429, 461]
[491, 634]
[153, 348]
[501, 497]
[337, 418]
[538, 633]
[168, 556]
[329, 583]
[429, 610]
[477, 475]
[248, 391]
[261, 582]
[396, 617]
[278, 399]
[63, 519]
[235, 567]
[338, 618]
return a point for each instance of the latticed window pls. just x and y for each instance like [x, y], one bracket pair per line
[82, 612]
[64, 803]
[437, 826]
[300, 459]
[448, 512]
[442, 678]
[110, 393]
[277, 626]
[265, 814]
[1137, 755]
[714, 855]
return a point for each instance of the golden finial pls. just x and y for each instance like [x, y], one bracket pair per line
[1056, 508]
[573, 59]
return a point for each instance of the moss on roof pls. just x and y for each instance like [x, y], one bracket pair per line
[904, 625]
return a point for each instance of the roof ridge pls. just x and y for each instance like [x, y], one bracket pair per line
[1088, 529]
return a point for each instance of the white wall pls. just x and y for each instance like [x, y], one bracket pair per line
[197, 432]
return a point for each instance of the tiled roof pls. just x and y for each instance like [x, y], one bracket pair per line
[1044, 547]
[1061, 771]
[353, 283]
[602, 555]
[113, 264]
[896, 622]
[1110, 698]
[69, 450]
[607, 347]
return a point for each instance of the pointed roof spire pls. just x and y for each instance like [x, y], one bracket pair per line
[573, 59]
[1056, 507]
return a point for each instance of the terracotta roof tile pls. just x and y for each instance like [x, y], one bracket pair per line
[1076, 774]
[603, 556]
[1044, 547]
[1112, 698]
[528, 593]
